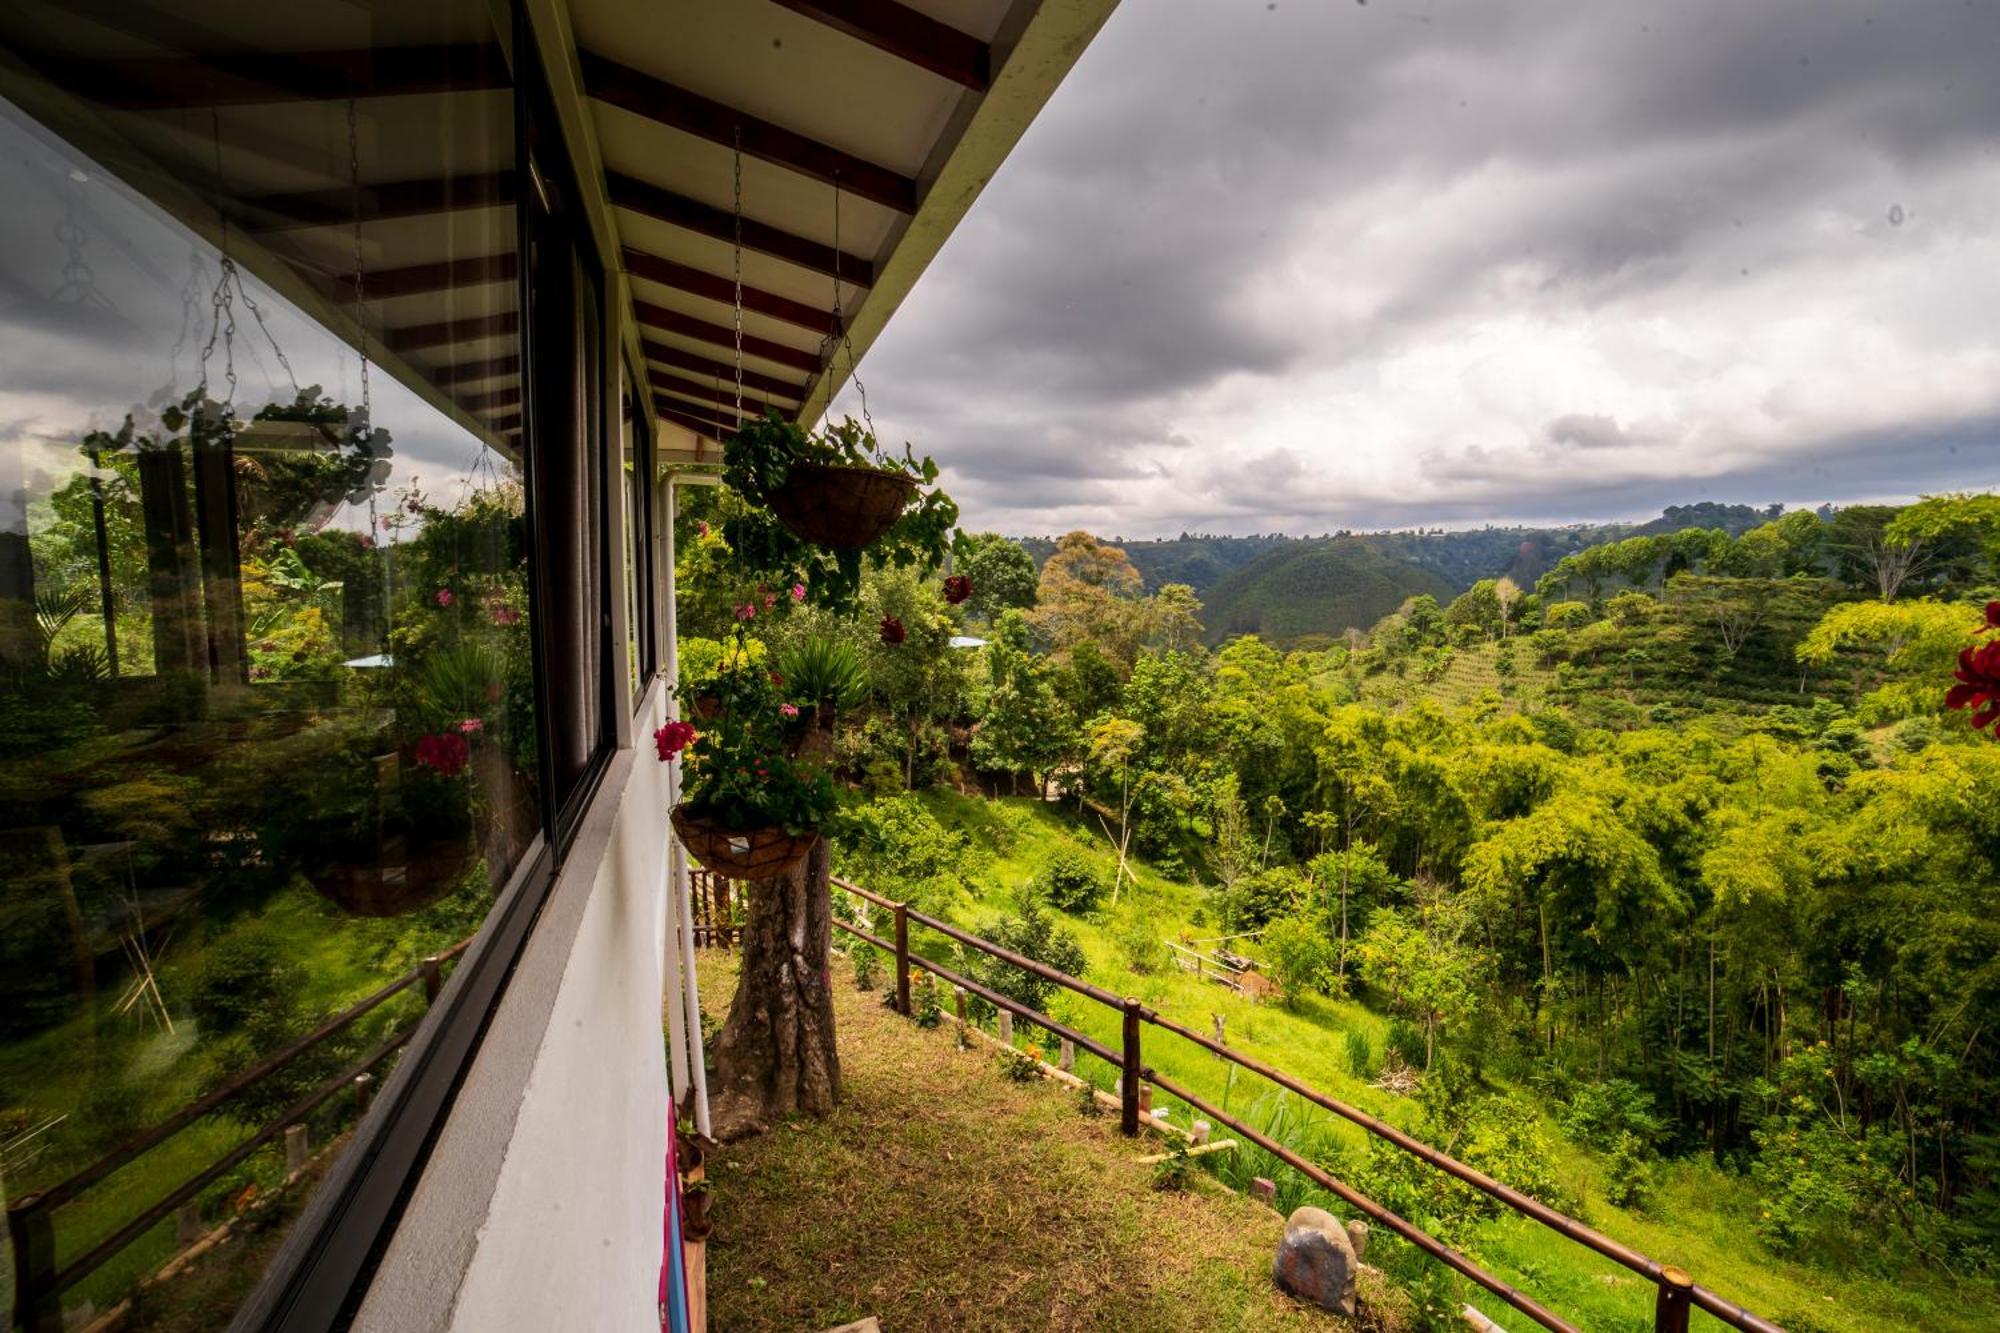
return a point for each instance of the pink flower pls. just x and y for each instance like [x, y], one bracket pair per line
[747, 611]
[674, 737]
[770, 600]
[470, 726]
[789, 710]
[798, 592]
[445, 754]
[506, 615]
[444, 597]
[701, 528]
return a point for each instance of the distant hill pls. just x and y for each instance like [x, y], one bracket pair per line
[1286, 588]
[1316, 587]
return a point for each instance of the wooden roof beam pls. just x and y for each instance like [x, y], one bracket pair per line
[712, 421]
[447, 331]
[257, 78]
[753, 403]
[492, 368]
[908, 35]
[722, 374]
[714, 287]
[336, 207]
[673, 321]
[657, 100]
[420, 279]
[629, 192]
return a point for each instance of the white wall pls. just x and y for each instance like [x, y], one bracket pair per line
[540, 1206]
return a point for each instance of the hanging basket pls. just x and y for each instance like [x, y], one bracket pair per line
[763, 853]
[841, 506]
[397, 885]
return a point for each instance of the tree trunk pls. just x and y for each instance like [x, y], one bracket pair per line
[776, 1054]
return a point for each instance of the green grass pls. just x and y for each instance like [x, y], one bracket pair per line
[942, 1195]
[1700, 1220]
[62, 1070]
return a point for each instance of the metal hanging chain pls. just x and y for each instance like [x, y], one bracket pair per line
[736, 306]
[840, 336]
[229, 287]
[367, 422]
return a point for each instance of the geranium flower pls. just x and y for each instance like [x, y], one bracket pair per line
[674, 737]
[470, 726]
[445, 754]
[444, 597]
[893, 632]
[1978, 688]
[701, 528]
[777, 680]
[1993, 615]
[789, 710]
[957, 588]
[798, 592]
[770, 600]
[747, 611]
[504, 614]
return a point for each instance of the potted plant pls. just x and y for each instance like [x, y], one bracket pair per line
[751, 808]
[834, 487]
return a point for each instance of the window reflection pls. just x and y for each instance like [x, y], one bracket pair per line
[267, 723]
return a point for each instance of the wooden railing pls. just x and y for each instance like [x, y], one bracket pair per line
[1677, 1294]
[39, 1283]
[716, 922]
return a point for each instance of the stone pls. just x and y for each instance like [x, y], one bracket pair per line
[1357, 1236]
[1316, 1261]
[1264, 1189]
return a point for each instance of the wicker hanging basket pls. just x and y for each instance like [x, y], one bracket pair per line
[841, 506]
[763, 853]
[401, 881]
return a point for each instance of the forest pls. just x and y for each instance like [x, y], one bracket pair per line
[1661, 886]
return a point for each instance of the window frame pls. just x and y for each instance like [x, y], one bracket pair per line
[321, 1274]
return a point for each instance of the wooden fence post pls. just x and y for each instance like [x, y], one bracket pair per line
[37, 1302]
[1006, 1028]
[958, 1003]
[187, 1224]
[364, 1094]
[902, 960]
[1068, 1057]
[1128, 1083]
[297, 1148]
[1676, 1302]
[433, 975]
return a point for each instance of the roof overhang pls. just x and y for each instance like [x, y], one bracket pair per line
[902, 111]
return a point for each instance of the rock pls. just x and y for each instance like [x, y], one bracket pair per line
[1357, 1236]
[1316, 1261]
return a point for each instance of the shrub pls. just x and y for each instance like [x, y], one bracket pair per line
[1301, 957]
[1360, 1055]
[926, 1007]
[1032, 932]
[1406, 1042]
[1020, 1066]
[1628, 1175]
[1142, 948]
[1175, 1171]
[1087, 1104]
[247, 977]
[867, 960]
[1068, 882]
[1255, 899]
[1601, 1115]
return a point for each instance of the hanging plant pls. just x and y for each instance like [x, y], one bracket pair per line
[817, 502]
[751, 809]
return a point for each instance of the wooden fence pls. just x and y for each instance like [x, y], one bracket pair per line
[1677, 1293]
[39, 1281]
[718, 910]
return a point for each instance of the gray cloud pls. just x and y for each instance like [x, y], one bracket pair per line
[1327, 264]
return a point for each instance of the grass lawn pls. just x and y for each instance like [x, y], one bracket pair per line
[943, 1196]
[1700, 1219]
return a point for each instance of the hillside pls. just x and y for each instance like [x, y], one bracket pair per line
[1284, 588]
[1316, 588]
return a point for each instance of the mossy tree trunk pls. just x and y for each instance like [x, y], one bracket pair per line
[776, 1053]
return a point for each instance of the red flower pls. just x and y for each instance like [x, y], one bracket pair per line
[1993, 615]
[957, 588]
[444, 597]
[893, 632]
[671, 739]
[777, 679]
[445, 755]
[1978, 688]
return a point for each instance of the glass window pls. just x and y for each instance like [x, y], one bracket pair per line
[268, 730]
[640, 659]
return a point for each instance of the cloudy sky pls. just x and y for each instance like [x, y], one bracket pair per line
[1319, 263]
